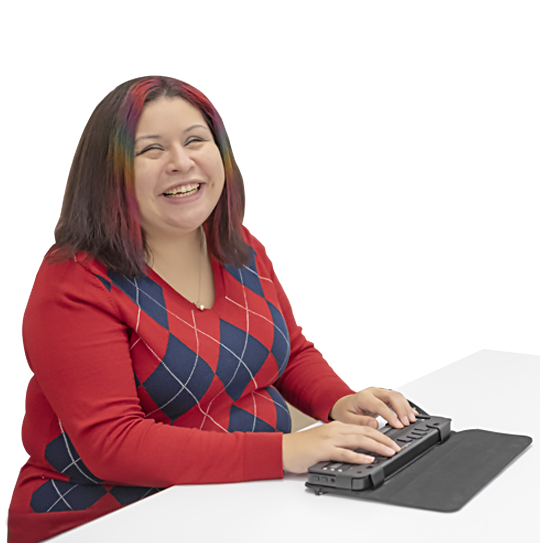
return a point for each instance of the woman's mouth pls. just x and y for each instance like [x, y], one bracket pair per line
[182, 191]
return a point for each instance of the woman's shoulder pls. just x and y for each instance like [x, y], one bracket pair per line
[65, 286]
[259, 252]
[253, 242]
[60, 261]
[60, 272]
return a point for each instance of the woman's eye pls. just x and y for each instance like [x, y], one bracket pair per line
[191, 140]
[152, 148]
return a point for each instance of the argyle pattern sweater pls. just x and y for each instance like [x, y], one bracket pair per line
[135, 389]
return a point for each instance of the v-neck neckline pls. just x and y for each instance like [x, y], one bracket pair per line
[219, 290]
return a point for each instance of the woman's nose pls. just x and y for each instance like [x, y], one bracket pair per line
[180, 161]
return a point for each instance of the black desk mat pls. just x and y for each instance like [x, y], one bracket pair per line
[450, 474]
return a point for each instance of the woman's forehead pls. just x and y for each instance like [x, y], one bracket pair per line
[167, 113]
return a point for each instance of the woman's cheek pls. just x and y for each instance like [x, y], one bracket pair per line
[144, 177]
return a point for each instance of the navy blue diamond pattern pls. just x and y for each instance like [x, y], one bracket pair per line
[281, 345]
[147, 294]
[180, 380]
[241, 356]
[283, 415]
[62, 456]
[243, 421]
[131, 494]
[247, 275]
[55, 496]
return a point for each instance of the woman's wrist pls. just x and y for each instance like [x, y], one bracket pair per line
[336, 409]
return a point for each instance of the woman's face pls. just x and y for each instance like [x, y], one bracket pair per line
[179, 174]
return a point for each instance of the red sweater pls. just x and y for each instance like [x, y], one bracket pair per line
[135, 389]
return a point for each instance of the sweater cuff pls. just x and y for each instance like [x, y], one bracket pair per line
[263, 456]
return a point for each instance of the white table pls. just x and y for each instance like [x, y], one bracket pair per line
[491, 390]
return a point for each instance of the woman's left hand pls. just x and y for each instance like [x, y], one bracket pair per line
[362, 408]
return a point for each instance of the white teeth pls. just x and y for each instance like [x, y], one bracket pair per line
[183, 189]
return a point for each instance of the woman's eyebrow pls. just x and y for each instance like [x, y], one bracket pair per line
[156, 137]
[147, 137]
[195, 126]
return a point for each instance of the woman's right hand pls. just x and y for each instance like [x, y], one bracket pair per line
[334, 441]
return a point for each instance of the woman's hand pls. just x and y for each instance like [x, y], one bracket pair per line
[334, 441]
[362, 407]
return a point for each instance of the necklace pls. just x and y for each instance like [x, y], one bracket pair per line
[198, 304]
[202, 251]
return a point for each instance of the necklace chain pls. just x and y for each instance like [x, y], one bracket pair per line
[198, 304]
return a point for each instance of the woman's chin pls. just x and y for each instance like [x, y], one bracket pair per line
[174, 227]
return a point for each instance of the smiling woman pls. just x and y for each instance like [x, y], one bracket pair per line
[179, 177]
[100, 212]
[162, 344]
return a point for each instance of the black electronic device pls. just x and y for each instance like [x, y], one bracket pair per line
[415, 441]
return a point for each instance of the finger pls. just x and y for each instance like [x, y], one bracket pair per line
[360, 420]
[400, 405]
[342, 454]
[367, 438]
[379, 448]
[376, 404]
[351, 457]
[383, 440]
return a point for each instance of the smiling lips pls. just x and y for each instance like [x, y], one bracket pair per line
[182, 191]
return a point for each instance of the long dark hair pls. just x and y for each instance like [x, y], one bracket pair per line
[100, 213]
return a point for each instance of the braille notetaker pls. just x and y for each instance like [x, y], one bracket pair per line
[430, 456]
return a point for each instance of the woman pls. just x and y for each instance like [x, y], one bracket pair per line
[161, 341]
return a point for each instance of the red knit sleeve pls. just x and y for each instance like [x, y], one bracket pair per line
[308, 383]
[77, 347]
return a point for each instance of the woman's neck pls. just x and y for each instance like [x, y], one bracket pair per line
[176, 252]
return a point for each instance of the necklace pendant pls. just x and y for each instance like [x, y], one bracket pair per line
[200, 307]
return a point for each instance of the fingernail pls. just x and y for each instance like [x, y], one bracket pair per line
[369, 459]
[405, 420]
[390, 451]
[412, 417]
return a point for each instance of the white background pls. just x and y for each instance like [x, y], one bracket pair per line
[466, 279]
